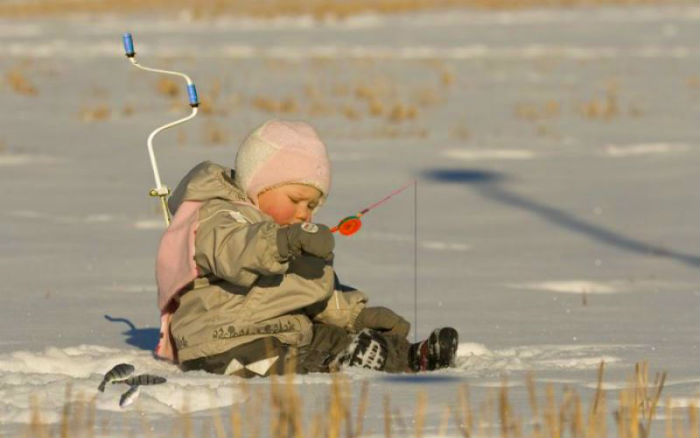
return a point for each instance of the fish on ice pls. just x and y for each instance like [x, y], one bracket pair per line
[143, 379]
[117, 373]
[129, 396]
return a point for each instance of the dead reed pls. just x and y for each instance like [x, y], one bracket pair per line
[319, 9]
[168, 87]
[604, 107]
[550, 415]
[532, 111]
[20, 83]
[96, 113]
[214, 133]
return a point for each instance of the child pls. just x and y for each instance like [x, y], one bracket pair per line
[246, 284]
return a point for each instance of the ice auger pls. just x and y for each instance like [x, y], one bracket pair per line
[161, 191]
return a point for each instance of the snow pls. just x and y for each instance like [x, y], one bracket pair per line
[551, 243]
[645, 149]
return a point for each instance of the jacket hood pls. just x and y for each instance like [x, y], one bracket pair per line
[206, 181]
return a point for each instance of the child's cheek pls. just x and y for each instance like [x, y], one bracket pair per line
[281, 215]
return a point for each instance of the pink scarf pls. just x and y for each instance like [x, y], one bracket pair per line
[175, 269]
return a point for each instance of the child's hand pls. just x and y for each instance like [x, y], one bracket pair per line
[382, 319]
[308, 267]
[314, 239]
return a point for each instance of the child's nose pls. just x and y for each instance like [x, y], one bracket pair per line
[303, 213]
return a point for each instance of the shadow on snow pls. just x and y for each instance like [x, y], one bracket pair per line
[143, 338]
[487, 184]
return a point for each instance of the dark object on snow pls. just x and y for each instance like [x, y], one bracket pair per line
[117, 373]
[143, 379]
[438, 351]
[129, 396]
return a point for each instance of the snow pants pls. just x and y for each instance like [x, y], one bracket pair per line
[257, 358]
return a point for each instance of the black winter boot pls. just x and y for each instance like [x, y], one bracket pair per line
[438, 351]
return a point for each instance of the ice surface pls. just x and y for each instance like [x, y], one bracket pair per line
[556, 153]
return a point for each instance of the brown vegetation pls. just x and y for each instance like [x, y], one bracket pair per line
[275, 8]
[97, 113]
[167, 87]
[550, 415]
[602, 108]
[531, 111]
[271, 105]
[19, 83]
[214, 134]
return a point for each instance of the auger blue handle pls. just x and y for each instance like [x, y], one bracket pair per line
[128, 45]
[192, 93]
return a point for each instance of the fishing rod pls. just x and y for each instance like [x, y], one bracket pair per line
[350, 225]
[161, 191]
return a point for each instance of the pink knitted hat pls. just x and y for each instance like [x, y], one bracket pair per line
[282, 152]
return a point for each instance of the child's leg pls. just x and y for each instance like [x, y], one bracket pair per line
[329, 342]
[397, 360]
[268, 355]
[260, 357]
[374, 350]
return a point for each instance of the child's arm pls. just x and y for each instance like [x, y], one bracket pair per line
[237, 251]
[347, 308]
[228, 246]
[341, 309]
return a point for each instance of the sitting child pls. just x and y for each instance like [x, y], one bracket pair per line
[246, 284]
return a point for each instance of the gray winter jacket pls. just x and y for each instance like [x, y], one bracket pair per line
[244, 289]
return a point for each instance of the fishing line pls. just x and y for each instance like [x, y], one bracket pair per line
[350, 225]
[161, 191]
[415, 260]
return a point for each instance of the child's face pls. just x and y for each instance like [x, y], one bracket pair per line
[290, 203]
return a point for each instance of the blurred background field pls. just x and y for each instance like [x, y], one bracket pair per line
[280, 8]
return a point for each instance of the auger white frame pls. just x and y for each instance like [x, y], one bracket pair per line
[161, 190]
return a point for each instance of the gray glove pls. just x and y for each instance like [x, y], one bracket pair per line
[312, 239]
[383, 320]
[306, 266]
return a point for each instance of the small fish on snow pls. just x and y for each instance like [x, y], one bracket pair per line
[143, 379]
[117, 373]
[129, 396]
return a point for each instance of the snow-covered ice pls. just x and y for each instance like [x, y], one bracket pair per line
[557, 159]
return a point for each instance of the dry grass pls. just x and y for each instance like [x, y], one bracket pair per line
[167, 87]
[447, 77]
[375, 107]
[602, 108]
[549, 415]
[19, 83]
[401, 112]
[128, 109]
[287, 105]
[532, 111]
[350, 112]
[320, 108]
[460, 132]
[214, 134]
[97, 113]
[274, 8]
[428, 97]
